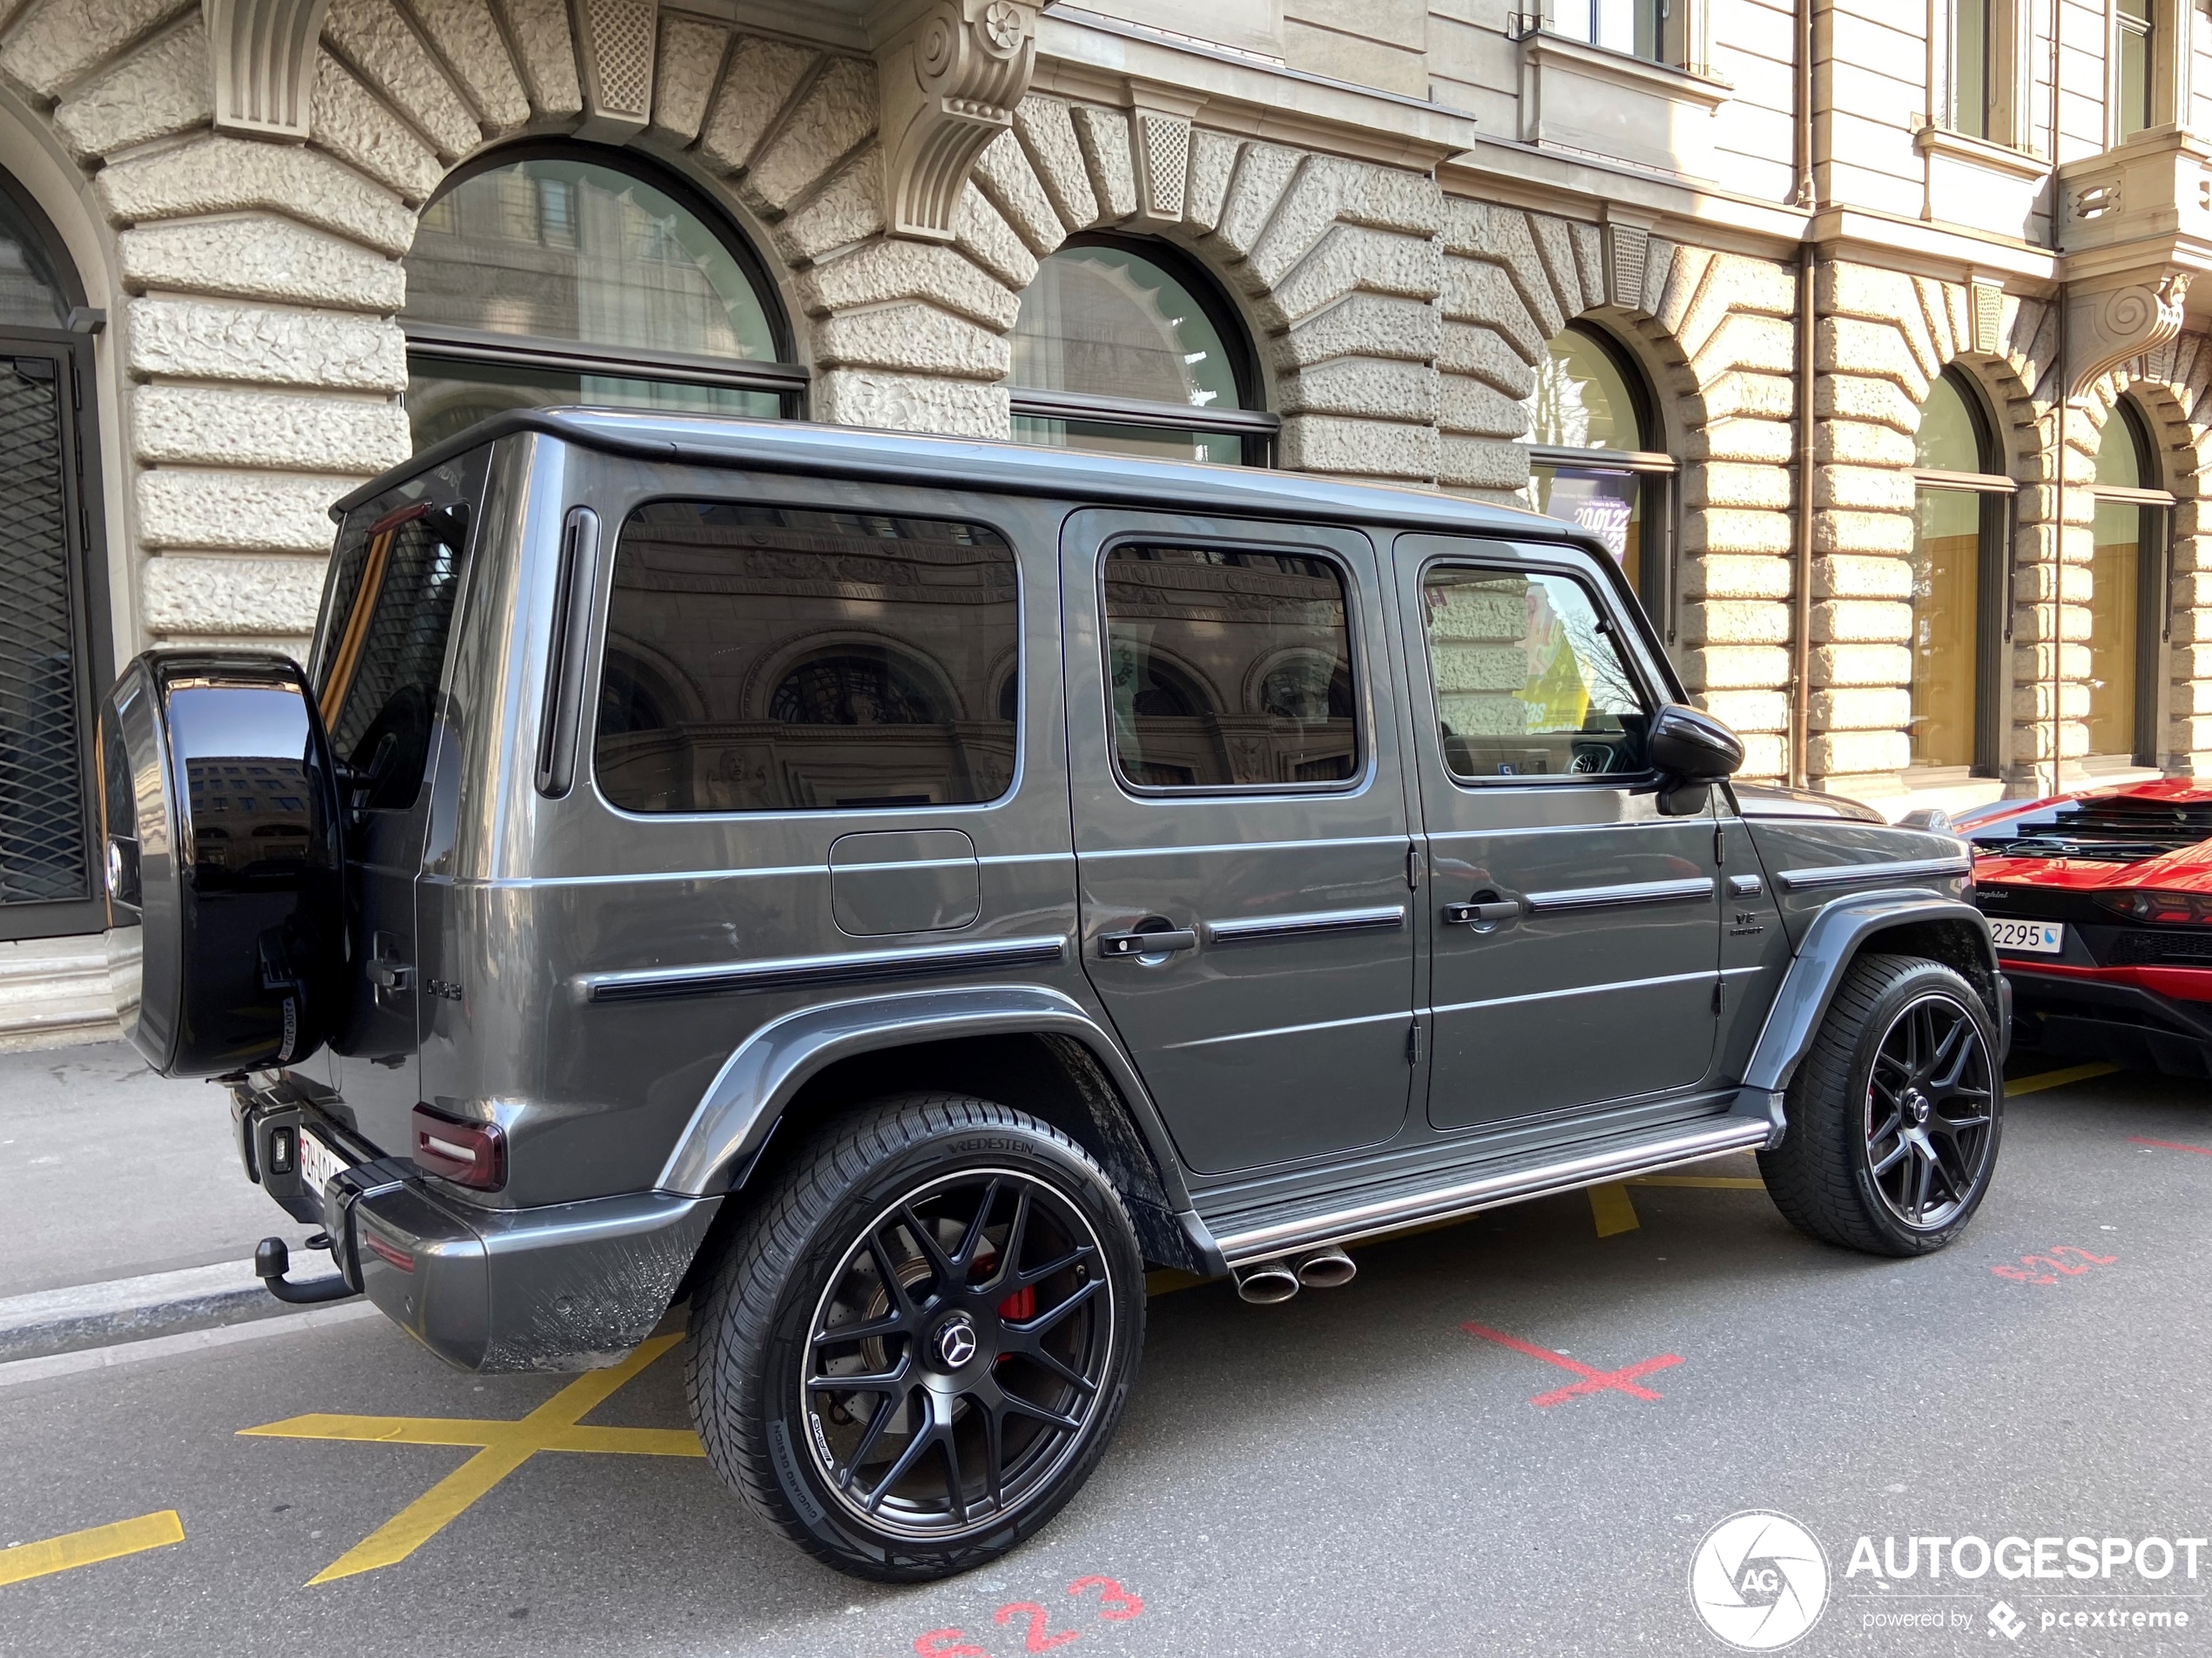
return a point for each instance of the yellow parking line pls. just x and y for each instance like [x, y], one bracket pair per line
[386, 1430]
[502, 1447]
[90, 1546]
[428, 1514]
[1705, 1183]
[2043, 1080]
[1611, 1208]
[630, 1442]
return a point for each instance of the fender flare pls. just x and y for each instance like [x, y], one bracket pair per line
[733, 1118]
[1831, 944]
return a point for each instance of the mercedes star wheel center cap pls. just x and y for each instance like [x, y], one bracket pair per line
[956, 1343]
[1916, 1107]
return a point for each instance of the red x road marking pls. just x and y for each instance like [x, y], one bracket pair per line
[1594, 1381]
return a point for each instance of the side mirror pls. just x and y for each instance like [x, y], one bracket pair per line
[1692, 747]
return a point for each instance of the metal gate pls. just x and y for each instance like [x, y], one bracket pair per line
[48, 875]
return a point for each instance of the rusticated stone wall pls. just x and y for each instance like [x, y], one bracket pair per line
[2173, 389]
[1400, 328]
[1884, 337]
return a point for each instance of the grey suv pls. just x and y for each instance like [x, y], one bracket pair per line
[885, 893]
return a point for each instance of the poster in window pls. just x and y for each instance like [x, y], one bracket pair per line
[1600, 503]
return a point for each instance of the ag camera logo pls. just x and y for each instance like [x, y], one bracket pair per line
[1759, 1580]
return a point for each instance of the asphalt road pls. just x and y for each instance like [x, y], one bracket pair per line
[1353, 1472]
[108, 1170]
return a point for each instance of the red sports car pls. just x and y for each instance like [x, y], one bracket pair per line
[2102, 905]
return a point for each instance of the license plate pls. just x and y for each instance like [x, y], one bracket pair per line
[2036, 938]
[319, 1164]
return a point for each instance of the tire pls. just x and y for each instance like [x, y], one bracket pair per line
[981, 1289]
[1892, 1129]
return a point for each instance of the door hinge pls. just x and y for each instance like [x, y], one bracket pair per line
[1720, 995]
[1720, 845]
[1412, 869]
[1414, 1043]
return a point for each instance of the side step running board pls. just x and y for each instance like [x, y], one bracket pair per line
[1640, 1156]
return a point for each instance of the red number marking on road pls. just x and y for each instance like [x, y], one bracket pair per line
[1115, 1604]
[2171, 1145]
[1037, 1640]
[2044, 1268]
[1594, 1381]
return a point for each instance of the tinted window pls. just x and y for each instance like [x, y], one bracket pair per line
[766, 659]
[1530, 677]
[1228, 669]
[382, 650]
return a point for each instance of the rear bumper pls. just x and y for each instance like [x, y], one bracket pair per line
[2116, 1018]
[566, 1287]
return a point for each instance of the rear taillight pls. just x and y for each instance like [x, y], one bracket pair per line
[469, 1154]
[2159, 909]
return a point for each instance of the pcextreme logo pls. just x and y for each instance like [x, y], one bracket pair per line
[1759, 1580]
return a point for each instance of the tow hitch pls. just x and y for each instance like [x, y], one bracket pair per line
[272, 1260]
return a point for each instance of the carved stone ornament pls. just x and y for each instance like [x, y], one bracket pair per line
[1627, 252]
[950, 83]
[2105, 329]
[261, 65]
[615, 41]
[1987, 312]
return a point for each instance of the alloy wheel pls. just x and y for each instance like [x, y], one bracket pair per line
[1929, 1120]
[958, 1356]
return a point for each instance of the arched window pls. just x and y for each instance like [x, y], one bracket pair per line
[562, 274]
[2127, 592]
[1310, 688]
[51, 652]
[1957, 581]
[31, 295]
[1597, 457]
[854, 688]
[1127, 348]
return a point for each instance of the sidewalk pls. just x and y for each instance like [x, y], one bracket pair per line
[124, 1188]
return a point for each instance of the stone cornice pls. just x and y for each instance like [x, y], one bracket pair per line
[1704, 92]
[2018, 163]
[1526, 176]
[1098, 61]
[1885, 240]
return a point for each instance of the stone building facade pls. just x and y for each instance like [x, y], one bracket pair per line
[1787, 227]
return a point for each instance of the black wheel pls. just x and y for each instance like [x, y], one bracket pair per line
[1895, 1114]
[918, 1346]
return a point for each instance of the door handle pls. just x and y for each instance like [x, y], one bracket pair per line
[1483, 916]
[1111, 945]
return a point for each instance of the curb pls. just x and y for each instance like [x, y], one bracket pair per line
[98, 1315]
[186, 1343]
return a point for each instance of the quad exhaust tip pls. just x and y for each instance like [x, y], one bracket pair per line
[1329, 1269]
[1268, 1282]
